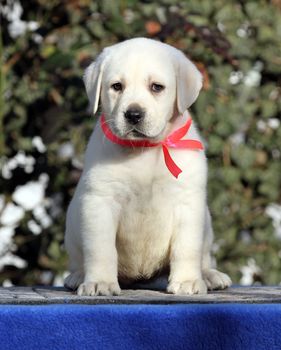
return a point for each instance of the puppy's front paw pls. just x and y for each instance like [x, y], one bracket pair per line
[98, 288]
[197, 286]
[216, 279]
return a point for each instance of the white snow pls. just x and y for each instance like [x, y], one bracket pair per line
[248, 272]
[7, 283]
[66, 150]
[38, 144]
[34, 227]
[261, 125]
[235, 77]
[46, 277]
[11, 215]
[42, 216]
[44, 179]
[6, 241]
[128, 16]
[273, 210]
[7, 246]
[2, 202]
[238, 138]
[6, 171]
[77, 163]
[59, 279]
[13, 12]
[11, 259]
[37, 38]
[30, 195]
[242, 32]
[253, 77]
[273, 123]
[19, 160]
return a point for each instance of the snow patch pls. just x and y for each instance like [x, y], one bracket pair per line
[38, 144]
[235, 77]
[6, 241]
[238, 138]
[273, 210]
[34, 227]
[59, 279]
[11, 215]
[253, 77]
[12, 260]
[249, 272]
[273, 123]
[2, 202]
[19, 160]
[13, 12]
[42, 216]
[66, 150]
[7, 283]
[30, 195]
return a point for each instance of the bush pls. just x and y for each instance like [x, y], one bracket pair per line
[45, 124]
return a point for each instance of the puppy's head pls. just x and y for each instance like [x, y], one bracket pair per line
[141, 83]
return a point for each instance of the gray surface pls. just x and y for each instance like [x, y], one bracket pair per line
[58, 295]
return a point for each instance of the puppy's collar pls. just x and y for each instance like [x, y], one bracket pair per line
[174, 140]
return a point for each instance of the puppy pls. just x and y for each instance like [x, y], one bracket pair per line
[130, 218]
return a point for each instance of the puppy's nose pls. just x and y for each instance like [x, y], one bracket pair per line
[134, 115]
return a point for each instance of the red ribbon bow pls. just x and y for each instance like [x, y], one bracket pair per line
[174, 140]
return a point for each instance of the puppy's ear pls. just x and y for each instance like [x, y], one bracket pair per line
[189, 82]
[92, 80]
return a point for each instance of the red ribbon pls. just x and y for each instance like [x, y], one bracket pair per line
[174, 140]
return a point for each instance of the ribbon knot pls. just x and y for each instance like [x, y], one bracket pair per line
[174, 140]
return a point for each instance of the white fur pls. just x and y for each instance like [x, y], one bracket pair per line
[129, 217]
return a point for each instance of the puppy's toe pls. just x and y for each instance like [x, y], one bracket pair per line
[215, 279]
[196, 286]
[103, 288]
[73, 280]
[98, 288]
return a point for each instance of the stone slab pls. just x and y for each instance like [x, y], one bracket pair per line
[59, 295]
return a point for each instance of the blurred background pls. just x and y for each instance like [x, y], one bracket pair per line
[45, 122]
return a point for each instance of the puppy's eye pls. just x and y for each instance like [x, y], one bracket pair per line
[157, 87]
[117, 87]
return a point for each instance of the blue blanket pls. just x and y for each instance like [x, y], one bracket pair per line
[134, 327]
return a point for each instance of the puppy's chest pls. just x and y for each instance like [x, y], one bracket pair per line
[143, 209]
[145, 229]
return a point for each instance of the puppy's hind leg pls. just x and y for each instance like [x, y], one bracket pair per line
[74, 280]
[76, 276]
[213, 278]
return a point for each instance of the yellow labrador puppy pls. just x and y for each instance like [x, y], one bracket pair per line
[130, 218]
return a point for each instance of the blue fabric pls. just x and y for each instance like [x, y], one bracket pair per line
[134, 327]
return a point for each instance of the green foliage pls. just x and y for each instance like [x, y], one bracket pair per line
[237, 47]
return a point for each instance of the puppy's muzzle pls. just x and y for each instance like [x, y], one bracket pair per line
[134, 115]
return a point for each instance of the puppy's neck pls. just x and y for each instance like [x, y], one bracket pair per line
[177, 120]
